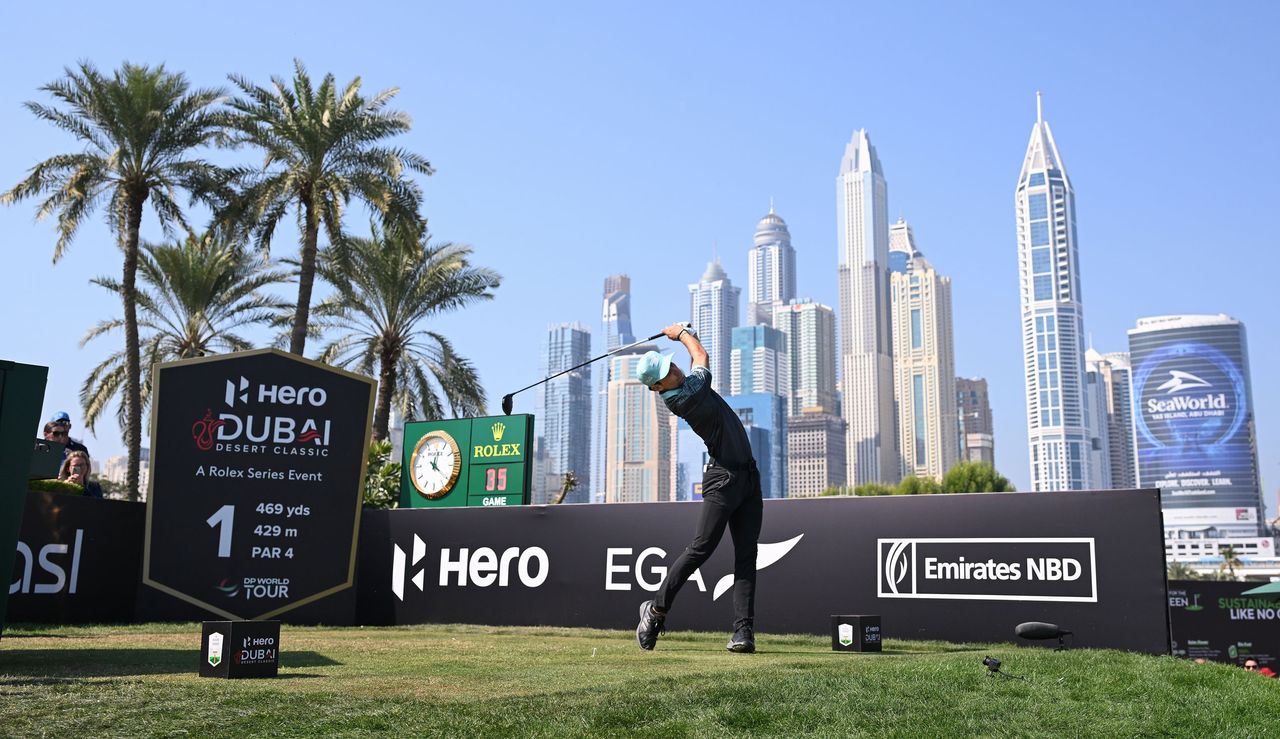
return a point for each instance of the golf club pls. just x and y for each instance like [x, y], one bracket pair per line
[507, 401]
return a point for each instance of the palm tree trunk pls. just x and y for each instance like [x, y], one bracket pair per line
[386, 390]
[132, 369]
[306, 276]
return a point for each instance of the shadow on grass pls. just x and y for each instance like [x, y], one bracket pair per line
[70, 664]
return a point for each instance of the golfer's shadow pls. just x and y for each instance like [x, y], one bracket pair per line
[52, 666]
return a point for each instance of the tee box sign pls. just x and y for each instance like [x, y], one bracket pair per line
[466, 462]
[257, 469]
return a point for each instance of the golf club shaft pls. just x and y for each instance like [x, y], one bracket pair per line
[589, 361]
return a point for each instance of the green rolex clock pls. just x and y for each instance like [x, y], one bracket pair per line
[435, 464]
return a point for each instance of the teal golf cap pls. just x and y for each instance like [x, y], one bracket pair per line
[653, 367]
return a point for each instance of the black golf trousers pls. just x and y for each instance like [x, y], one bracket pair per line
[732, 499]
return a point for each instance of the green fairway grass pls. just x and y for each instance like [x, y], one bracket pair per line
[141, 680]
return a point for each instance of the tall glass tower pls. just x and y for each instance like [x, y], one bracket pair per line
[566, 413]
[771, 269]
[924, 359]
[866, 342]
[1059, 426]
[641, 454]
[811, 343]
[713, 308]
[1194, 415]
[615, 321]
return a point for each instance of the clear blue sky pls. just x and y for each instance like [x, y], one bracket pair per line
[576, 140]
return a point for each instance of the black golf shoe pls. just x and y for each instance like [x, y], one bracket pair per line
[743, 641]
[651, 625]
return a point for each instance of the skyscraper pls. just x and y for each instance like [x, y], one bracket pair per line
[566, 412]
[815, 453]
[760, 377]
[713, 308]
[1195, 424]
[974, 406]
[923, 358]
[810, 329]
[1095, 405]
[1059, 428]
[615, 322]
[641, 451]
[759, 361]
[1113, 370]
[866, 344]
[771, 269]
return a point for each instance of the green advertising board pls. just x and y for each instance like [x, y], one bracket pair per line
[467, 462]
[21, 394]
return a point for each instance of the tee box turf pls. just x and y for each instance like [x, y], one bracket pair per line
[240, 649]
[855, 633]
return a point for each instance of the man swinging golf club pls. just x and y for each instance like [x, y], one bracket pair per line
[730, 489]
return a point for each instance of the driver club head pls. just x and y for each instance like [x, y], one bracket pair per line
[507, 402]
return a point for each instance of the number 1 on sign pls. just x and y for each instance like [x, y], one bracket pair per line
[224, 517]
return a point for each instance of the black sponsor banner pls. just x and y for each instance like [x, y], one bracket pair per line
[257, 464]
[1213, 621]
[78, 560]
[953, 567]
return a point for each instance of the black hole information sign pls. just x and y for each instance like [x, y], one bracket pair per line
[257, 463]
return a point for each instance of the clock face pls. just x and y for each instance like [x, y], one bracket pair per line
[435, 464]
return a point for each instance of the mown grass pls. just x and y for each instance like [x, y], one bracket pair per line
[476, 681]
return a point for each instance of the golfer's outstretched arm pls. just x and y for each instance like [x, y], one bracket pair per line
[681, 333]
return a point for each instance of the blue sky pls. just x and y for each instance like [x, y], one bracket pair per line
[576, 140]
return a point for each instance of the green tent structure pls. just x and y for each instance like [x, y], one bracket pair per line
[1270, 591]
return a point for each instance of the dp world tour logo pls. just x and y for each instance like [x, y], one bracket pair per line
[228, 588]
[1032, 569]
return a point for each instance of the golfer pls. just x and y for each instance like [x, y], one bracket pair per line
[730, 489]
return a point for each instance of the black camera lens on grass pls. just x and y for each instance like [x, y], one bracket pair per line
[991, 664]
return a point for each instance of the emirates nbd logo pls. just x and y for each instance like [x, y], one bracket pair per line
[1027, 569]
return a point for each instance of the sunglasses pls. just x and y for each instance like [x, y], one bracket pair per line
[59, 433]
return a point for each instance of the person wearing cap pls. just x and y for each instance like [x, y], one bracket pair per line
[59, 429]
[731, 496]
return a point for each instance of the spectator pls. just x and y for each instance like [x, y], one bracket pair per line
[59, 429]
[1251, 664]
[75, 468]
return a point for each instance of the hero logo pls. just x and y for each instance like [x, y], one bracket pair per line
[24, 583]
[231, 391]
[481, 568]
[250, 433]
[1031, 569]
[766, 554]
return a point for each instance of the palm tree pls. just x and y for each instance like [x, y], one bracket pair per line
[195, 297]
[138, 130]
[385, 287]
[1181, 571]
[320, 148]
[1230, 561]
